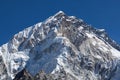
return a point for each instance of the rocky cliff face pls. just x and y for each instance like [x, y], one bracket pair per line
[60, 48]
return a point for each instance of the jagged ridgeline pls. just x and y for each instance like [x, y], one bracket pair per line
[60, 48]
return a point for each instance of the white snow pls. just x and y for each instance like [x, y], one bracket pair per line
[115, 52]
[49, 19]
[17, 62]
[10, 60]
[50, 61]
[80, 28]
[39, 24]
[102, 46]
[72, 17]
[62, 61]
[60, 12]
[104, 49]
[101, 30]
[90, 35]
[102, 35]
[97, 56]
[68, 20]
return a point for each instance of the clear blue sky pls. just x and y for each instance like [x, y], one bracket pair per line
[15, 15]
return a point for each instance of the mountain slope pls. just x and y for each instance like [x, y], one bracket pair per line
[64, 47]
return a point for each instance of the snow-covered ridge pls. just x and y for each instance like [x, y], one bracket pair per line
[14, 62]
[62, 43]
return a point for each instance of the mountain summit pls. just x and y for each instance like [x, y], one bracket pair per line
[60, 48]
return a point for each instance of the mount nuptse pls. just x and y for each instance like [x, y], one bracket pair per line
[60, 48]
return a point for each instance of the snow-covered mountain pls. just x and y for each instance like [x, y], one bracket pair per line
[64, 47]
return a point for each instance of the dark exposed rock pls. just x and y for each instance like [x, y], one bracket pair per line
[60, 48]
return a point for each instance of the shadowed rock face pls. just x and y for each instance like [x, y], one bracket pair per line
[60, 48]
[3, 71]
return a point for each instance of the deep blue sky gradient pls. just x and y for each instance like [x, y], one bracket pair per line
[15, 15]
